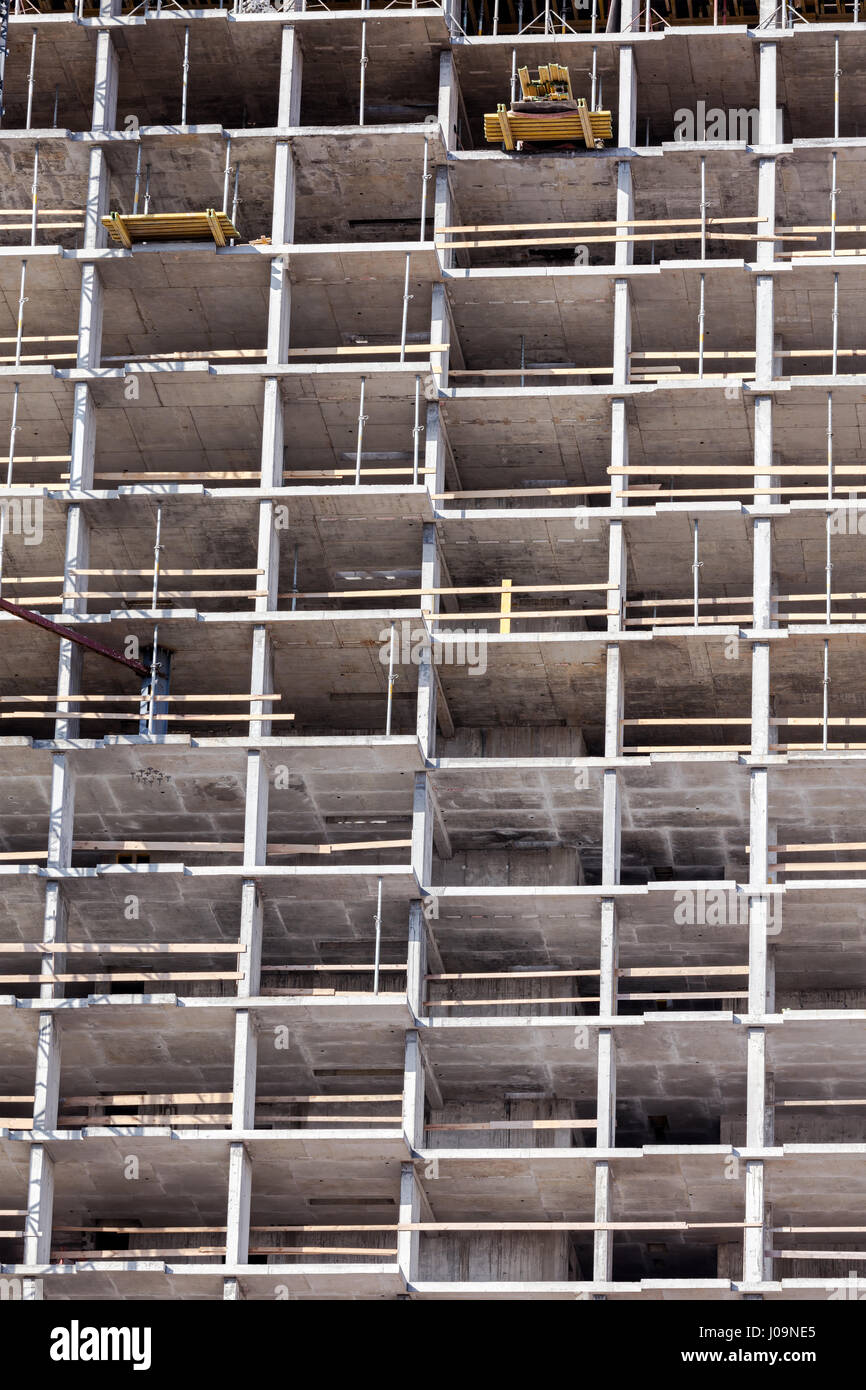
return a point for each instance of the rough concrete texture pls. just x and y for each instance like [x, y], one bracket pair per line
[544, 913]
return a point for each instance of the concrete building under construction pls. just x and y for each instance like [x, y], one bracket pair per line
[432, 636]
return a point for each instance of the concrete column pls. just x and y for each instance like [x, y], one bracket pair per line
[61, 813]
[244, 1080]
[288, 115]
[441, 329]
[413, 1093]
[609, 942]
[103, 119]
[408, 1242]
[448, 100]
[291, 76]
[47, 1078]
[238, 1214]
[54, 926]
[435, 447]
[88, 355]
[427, 687]
[443, 216]
[602, 1254]
[279, 311]
[283, 217]
[250, 937]
[256, 809]
[40, 1211]
[422, 830]
[416, 968]
[261, 683]
[268, 545]
[753, 1243]
[40, 1182]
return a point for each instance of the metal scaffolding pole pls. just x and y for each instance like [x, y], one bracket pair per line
[22, 300]
[363, 71]
[154, 665]
[703, 207]
[157, 547]
[378, 946]
[835, 322]
[406, 297]
[826, 684]
[31, 82]
[185, 85]
[425, 179]
[4, 49]
[701, 330]
[390, 706]
[828, 570]
[227, 173]
[833, 192]
[829, 446]
[13, 430]
[837, 73]
[361, 422]
[416, 431]
[235, 197]
[34, 190]
[696, 568]
[137, 187]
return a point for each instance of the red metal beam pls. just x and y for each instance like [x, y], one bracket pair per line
[88, 643]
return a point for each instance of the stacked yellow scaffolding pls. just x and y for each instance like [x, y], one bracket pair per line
[547, 113]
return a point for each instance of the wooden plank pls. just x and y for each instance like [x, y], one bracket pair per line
[330, 969]
[688, 994]
[818, 1254]
[820, 867]
[165, 573]
[677, 719]
[143, 1100]
[622, 222]
[502, 117]
[831, 1100]
[216, 230]
[655, 971]
[104, 979]
[515, 974]
[519, 492]
[586, 125]
[608, 239]
[240, 715]
[497, 1003]
[206, 354]
[519, 1124]
[117, 229]
[461, 589]
[534, 371]
[680, 493]
[529, 1227]
[136, 699]
[440, 618]
[782, 470]
[234, 847]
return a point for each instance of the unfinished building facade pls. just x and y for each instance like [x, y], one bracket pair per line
[431, 646]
